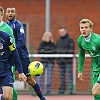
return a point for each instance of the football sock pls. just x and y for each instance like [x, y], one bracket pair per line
[15, 94]
[37, 90]
[97, 97]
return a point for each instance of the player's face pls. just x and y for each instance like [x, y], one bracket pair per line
[1, 16]
[62, 32]
[10, 14]
[48, 38]
[85, 29]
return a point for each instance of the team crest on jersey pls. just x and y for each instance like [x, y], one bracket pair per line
[1, 46]
[22, 30]
[94, 48]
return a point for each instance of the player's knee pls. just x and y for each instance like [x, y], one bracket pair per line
[7, 97]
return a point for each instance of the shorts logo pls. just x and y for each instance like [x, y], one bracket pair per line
[1, 46]
[10, 83]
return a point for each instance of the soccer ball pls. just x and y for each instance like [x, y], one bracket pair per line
[36, 68]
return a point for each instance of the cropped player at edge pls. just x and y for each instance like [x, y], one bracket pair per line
[90, 42]
[6, 28]
[19, 35]
[7, 48]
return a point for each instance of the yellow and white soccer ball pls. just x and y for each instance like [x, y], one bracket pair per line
[36, 68]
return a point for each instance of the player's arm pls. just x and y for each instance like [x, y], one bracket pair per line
[81, 58]
[13, 49]
[10, 31]
[20, 36]
[98, 45]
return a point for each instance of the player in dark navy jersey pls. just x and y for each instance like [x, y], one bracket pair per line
[19, 34]
[8, 49]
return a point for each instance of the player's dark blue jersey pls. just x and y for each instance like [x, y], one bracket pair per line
[19, 34]
[7, 48]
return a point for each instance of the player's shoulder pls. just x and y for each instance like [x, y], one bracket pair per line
[4, 35]
[17, 22]
[96, 35]
[6, 25]
[80, 38]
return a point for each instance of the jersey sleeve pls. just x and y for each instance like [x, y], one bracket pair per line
[15, 54]
[10, 43]
[20, 36]
[98, 45]
[81, 56]
[10, 31]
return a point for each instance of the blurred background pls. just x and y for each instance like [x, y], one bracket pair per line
[39, 16]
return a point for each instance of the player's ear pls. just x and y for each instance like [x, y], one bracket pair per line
[15, 14]
[91, 29]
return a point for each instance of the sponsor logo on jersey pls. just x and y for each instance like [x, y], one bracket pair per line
[10, 83]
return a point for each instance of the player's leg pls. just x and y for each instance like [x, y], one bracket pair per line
[6, 82]
[39, 78]
[7, 92]
[36, 87]
[15, 94]
[30, 80]
[96, 86]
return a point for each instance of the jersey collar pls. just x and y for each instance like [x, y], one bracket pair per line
[1, 23]
[87, 39]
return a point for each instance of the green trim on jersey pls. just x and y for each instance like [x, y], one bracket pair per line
[6, 28]
[93, 48]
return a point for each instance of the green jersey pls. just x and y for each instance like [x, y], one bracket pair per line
[6, 28]
[93, 48]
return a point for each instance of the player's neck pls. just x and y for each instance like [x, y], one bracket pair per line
[87, 39]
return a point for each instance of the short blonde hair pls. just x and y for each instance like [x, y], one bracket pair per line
[86, 21]
[1, 10]
[45, 34]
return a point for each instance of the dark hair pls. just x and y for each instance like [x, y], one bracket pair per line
[62, 27]
[11, 7]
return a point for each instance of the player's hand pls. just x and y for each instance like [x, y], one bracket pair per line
[22, 77]
[80, 76]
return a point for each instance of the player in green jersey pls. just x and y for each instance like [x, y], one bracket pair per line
[89, 42]
[6, 28]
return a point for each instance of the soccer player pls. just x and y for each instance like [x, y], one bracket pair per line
[6, 28]
[18, 31]
[7, 49]
[90, 42]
